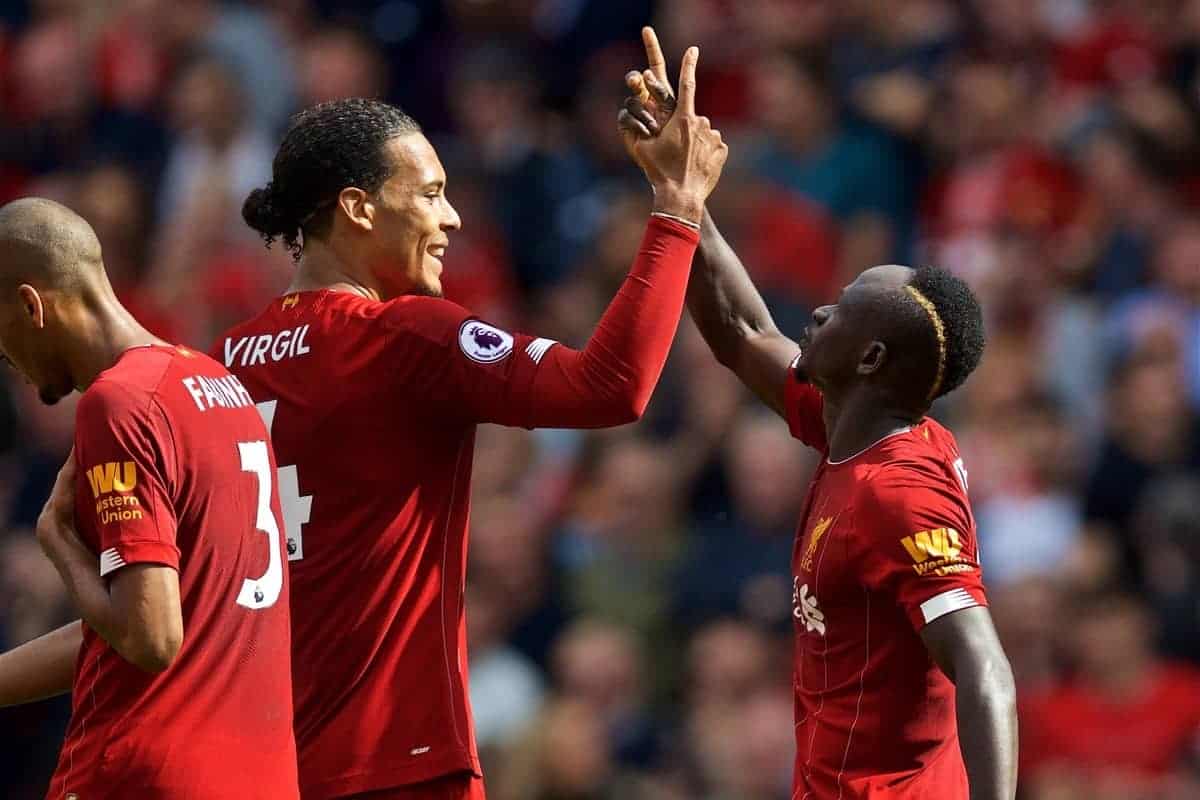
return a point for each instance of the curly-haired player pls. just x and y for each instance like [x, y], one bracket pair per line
[373, 384]
[899, 675]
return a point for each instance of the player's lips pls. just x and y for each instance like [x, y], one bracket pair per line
[436, 251]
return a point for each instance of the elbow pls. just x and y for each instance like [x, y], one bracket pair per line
[628, 409]
[154, 651]
[992, 679]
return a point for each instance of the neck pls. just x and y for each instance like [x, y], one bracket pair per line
[109, 330]
[859, 420]
[323, 267]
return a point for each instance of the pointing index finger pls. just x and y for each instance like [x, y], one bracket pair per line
[654, 54]
[687, 81]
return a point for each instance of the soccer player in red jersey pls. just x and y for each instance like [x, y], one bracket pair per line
[899, 675]
[165, 526]
[372, 385]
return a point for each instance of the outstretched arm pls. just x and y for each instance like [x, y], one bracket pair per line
[964, 644]
[724, 302]
[734, 320]
[518, 380]
[44, 667]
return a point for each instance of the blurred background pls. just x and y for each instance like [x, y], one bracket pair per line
[629, 591]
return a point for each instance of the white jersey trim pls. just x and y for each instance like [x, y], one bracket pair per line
[900, 432]
[538, 348]
[942, 604]
[110, 561]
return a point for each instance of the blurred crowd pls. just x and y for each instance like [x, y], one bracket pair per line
[629, 594]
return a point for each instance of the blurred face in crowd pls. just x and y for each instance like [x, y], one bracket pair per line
[578, 759]
[1112, 642]
[338, 64]
[1150, 408]
[411, 220]
[638, 491]
[789, 102]
[208, 103]
[765, 469]
[1178, 262]
[599, 664]
[727, 661]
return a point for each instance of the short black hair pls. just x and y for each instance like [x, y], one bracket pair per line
[326, 148]
[912, 335]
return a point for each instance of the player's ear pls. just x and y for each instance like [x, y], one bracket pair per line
[873, 358]
[32, 305]
[358, 208]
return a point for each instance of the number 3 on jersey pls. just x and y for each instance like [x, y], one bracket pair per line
[264, 591]
[296, 509]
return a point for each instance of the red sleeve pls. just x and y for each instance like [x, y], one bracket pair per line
[120, 453]
[481, 373]
[919, 543]
[804, 406]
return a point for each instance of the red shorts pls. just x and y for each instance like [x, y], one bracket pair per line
[459, 786]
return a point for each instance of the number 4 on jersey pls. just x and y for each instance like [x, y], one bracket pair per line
[296, 509]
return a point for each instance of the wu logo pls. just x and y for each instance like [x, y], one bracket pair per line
[940, 543]
[112, 476]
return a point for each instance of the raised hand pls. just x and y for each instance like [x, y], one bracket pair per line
[651, 102]
[684, 160]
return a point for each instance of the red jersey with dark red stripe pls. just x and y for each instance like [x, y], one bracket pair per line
[175, 469]
[372, 407]
[886, 545]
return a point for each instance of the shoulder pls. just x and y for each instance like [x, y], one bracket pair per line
[438, 324]
[421, 316]
[113, 403]
[132, 382]
[915, 482]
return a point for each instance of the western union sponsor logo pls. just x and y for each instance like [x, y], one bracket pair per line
[938, 543]
[112, 476]
[936, 551]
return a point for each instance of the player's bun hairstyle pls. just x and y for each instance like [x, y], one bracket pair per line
[326, 148]
[962, 321]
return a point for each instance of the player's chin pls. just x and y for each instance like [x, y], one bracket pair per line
[431, 287]
[50, 395]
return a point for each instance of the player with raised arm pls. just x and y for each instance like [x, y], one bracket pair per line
[164, 525]
[372, 385]
[899, 675]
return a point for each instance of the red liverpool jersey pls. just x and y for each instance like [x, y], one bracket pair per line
[372, 407]
[175, 468]
[886, 545]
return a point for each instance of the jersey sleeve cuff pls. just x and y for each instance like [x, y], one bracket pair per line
[685, 232]
[947, 602]
[802, 409]
[122, 555]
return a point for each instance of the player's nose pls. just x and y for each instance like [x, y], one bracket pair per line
[821, 315]
[451, 221]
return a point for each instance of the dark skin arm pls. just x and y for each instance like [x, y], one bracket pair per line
[44, 667]
[964, 644]
[734, 320]
[138, 612]
[724, 302]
